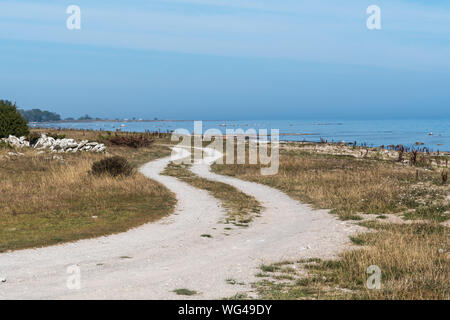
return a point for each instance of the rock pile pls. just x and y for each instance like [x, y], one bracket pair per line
[57, 145]
[68, 145]
[16, 142]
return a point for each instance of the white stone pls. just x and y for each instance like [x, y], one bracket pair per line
[56, 145]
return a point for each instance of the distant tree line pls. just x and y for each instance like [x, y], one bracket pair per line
[85, 117]
[38, 115]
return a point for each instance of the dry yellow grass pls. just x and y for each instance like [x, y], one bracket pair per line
[413, 258]
[46, 201]
[347, 185]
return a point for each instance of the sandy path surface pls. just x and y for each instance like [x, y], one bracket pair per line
[151, 261]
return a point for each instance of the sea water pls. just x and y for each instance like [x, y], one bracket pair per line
[434, 134]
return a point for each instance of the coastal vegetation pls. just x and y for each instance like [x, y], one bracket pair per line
[351, 183]
[404, 205]
[413, 259]
[129, 140]
[114, 166]
[52, 198]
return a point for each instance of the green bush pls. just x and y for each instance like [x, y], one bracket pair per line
[11, 121]
[114, 166]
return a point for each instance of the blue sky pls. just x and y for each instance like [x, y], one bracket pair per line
[228, 59]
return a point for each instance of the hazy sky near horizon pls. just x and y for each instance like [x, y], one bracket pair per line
[228, 59]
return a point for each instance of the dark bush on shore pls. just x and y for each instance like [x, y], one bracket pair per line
[114, 166]
[56, 136]
[33, 137]
[11, 121]
[132, 141]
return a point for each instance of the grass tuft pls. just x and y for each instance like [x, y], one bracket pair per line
[185, 292]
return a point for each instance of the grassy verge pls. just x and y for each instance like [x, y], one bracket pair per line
[349, 186]
[413, 257]
[413, 260]
[241, 208]
[49, 199]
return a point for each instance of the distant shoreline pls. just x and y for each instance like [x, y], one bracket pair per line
[114, 120]
[431, 135]
[385, 147]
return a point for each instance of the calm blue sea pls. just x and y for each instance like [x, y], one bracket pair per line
[370, 132]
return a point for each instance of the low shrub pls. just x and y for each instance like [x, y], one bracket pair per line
[114, 166]
[33, 137]
[57, 136]
[133, 141]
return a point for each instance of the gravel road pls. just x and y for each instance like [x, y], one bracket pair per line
[151, 261]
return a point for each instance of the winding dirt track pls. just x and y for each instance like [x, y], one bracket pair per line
[151, 261]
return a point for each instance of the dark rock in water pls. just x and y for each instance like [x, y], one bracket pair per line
[419, 143]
